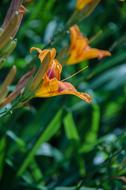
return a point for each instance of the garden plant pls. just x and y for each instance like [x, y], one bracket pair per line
[63, 95]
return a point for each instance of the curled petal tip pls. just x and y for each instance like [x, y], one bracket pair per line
[36, 49]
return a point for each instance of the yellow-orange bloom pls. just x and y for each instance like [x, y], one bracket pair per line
[81, 4]
[52, 85]
[80, 50]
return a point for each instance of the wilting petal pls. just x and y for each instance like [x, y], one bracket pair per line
[56, 88]
[82, 3]
[68, 88]
[80, 50]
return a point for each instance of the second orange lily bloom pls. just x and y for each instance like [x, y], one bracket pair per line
[52, 84]
[80, 50]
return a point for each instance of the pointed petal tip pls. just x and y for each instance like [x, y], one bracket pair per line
[84, 96]
[104, 53]
[108, 53]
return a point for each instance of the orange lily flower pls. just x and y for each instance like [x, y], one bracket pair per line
[52, 85]
[80, 49]
[82, 3]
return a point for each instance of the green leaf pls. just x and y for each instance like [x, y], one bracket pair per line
[49, 132]
[70, 128]
[2, 154]
[109, 63]
[74, 188]
[91, 136]
[109, 81]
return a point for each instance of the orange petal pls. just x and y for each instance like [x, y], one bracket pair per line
[54, 71]
[90, 53]
[55, 88]
[55, 68]
[77, 38]
[68, 88]
[42, 53]
[48, 88]
[80, 50]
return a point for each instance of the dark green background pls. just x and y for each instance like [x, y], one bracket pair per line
[79, 146]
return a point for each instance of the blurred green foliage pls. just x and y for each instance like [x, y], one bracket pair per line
[61, 143]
